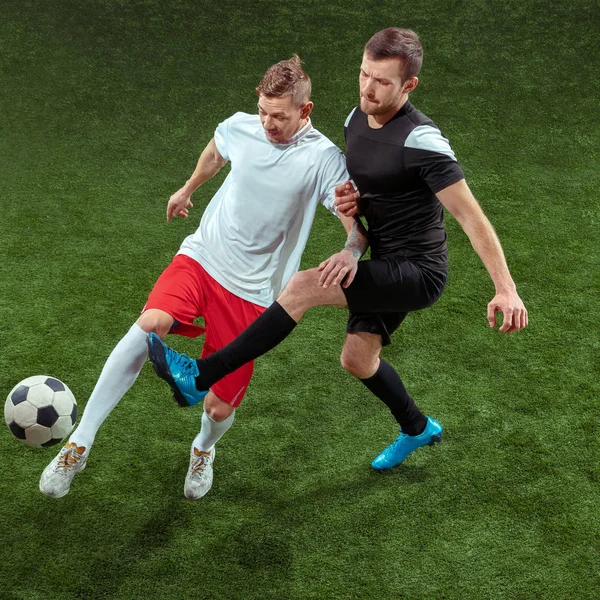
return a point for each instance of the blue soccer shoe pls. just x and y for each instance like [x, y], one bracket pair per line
[178, 370]
[396, 452]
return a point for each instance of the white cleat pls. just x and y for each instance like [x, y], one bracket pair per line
[55, 481]
[199, 478]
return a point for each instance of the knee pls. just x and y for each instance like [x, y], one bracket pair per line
[155, 321]
[358, 365]
[217, 409]
[298, 285]
[351, 363]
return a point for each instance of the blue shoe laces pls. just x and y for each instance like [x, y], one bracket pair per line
[398, 440]
[183, 363]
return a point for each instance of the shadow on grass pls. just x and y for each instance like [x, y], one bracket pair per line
[119, 523]
[95, 538]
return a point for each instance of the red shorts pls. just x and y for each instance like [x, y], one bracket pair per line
[186, 291]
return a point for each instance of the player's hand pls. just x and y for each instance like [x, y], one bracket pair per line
[346, 199]
[513, 310]
[338, 269]
[178, 205]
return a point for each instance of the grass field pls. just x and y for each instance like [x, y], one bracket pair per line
[104, 109]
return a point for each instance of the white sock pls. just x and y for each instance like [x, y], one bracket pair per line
[119, 373]
[212, 431]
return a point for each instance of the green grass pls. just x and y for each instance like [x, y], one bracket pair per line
[104, 109]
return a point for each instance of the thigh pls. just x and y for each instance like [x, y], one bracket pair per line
[303, 291]
[226, 316]
[180, 292]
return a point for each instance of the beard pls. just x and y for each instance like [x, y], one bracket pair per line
[380, 108]
[370, 108]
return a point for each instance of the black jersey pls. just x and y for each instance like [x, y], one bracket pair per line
[398, 169]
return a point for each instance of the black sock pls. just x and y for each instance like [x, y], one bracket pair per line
[388, 387]
[269, 330]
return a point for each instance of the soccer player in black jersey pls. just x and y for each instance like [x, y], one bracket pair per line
[406, 174]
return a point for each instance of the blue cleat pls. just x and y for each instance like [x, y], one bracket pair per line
[396, 452]
[178, 370]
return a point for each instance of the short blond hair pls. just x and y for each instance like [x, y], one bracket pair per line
[286, 78]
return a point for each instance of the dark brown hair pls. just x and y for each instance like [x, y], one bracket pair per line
[286, 78]
[397, 43]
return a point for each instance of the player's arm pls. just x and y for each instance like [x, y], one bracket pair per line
[209, 164]
[460, 202]
[341, 267]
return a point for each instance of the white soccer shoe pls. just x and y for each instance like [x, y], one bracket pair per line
[199, 478]
[55, 481]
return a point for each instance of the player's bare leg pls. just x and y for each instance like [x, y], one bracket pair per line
[303, 292]
[217, 418]
[118, 375]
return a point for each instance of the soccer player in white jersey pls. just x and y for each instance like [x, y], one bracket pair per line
[248, 245]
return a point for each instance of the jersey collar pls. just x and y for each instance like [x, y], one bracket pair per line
[298, 135]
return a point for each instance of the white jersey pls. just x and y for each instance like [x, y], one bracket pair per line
[254, 230]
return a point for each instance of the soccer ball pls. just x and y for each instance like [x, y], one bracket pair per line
[40, 411]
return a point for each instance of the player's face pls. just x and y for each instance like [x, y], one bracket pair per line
[281, 117]
[381, 87]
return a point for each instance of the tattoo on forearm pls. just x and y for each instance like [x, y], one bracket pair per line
[357, 241]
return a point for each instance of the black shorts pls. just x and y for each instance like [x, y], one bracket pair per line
[386, 289]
